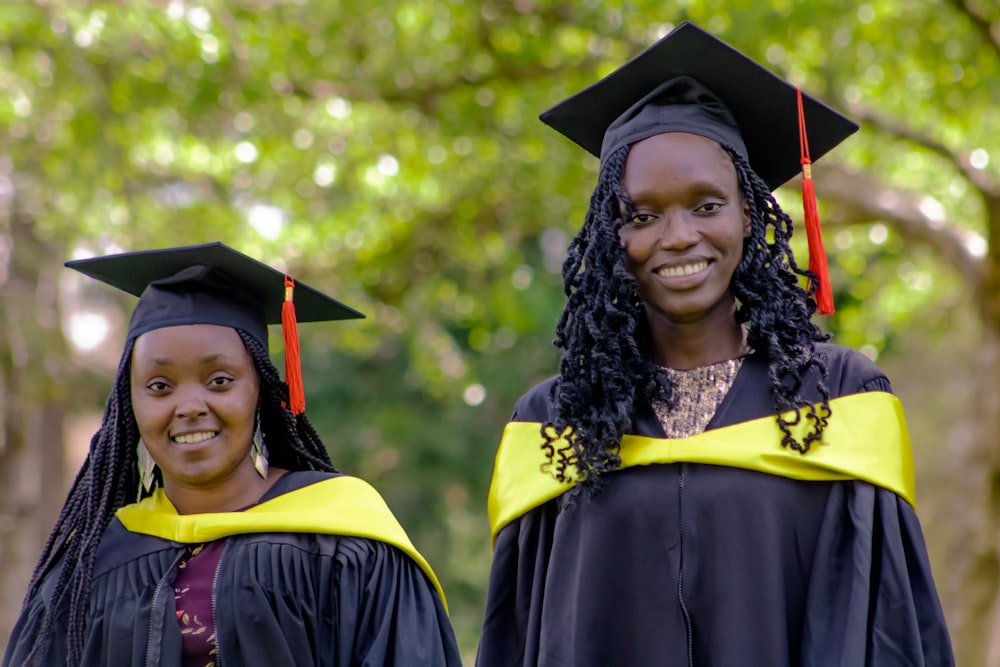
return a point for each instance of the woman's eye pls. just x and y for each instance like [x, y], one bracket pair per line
[710, 207]
[157, 386]
[641, 218]
[220, 381]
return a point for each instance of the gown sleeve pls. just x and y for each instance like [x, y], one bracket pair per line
[514, 598]
[872, 599]
[23, 634]
[27, 627]
[400, 620]
[517, 574]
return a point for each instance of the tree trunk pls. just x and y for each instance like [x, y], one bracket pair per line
[31, 494]
[976, 548]
[33, 370]
[971, 584]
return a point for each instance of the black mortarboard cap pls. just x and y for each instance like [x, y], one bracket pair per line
[214, 284]
[690, 81]
[207, 284]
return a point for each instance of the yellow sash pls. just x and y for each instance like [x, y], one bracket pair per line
[866, 439]
[337, 506]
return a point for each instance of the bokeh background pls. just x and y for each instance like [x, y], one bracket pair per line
[389, 152]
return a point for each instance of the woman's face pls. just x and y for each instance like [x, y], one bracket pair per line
[684, 236]
[194, 395]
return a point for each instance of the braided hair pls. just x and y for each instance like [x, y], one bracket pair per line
[109, 478]
[606, 370]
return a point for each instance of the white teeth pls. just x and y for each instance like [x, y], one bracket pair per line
[191, 438]
[685, 270]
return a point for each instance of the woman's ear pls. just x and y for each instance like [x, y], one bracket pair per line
[746, 219]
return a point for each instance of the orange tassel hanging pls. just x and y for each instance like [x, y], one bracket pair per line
[293, 364]
[817, 255]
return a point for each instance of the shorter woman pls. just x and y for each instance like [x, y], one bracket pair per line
[246, 546]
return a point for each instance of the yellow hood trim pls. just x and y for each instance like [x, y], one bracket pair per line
[337, 506]
[866, 439]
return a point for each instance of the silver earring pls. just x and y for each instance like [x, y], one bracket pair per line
[147, 466]
[258, 450]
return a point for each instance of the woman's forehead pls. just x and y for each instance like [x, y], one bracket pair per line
[200, 343]
[673, 159]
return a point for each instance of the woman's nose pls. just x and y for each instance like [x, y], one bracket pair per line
[191, 404]
[678, 233]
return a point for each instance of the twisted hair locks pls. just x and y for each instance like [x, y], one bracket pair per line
[606, 371]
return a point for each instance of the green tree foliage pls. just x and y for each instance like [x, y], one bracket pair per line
[389, 152]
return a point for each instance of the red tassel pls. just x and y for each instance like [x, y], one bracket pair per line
[293, 364]
[817, 255]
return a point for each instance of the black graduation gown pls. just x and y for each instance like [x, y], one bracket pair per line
[280, 599]
[713, 566]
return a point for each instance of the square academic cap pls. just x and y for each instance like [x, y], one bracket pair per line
[690, 81]
[763, 106]
[214, 284]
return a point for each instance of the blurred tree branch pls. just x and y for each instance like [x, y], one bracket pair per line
[978, 178]
[979, 21]
[860, 199]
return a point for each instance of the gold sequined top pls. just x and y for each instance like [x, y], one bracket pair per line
[698, 393]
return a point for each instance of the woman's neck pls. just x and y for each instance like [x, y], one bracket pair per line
[684, 346]
[235, 494]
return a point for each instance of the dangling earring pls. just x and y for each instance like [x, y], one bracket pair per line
[147, 466]
[636, 299]
[258, 450]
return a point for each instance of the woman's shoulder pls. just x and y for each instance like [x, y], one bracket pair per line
[535, 405]
[329, 514]
[347, 555]
[306, 544]
[849, 372]
[120, 546]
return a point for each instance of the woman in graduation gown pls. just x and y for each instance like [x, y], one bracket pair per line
[707, 481]
[246, 546]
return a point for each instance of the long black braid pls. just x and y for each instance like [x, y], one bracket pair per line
[109, 479]
[607, 372]
[301, 447]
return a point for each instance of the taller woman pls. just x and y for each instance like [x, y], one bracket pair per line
[246, 547]
[706, 482]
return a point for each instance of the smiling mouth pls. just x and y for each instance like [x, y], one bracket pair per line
[193, 438]
[682, 270]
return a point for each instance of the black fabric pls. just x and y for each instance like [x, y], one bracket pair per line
[692, 564]
[280, 599]
[198, 295]
[764, 106]
[678, 105]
